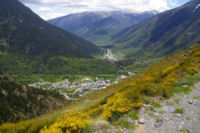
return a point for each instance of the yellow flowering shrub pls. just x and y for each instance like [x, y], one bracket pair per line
[169, 69]
[117, 104]
[96, 111]
[72, 121]
[192, 68]
[52, 129]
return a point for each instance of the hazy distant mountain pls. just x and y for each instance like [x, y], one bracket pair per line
[23, 32]
[99, 26]
[162, 34]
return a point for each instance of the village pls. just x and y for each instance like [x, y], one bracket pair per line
[74, 90]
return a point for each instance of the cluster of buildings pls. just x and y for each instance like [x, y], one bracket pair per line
[79, 88]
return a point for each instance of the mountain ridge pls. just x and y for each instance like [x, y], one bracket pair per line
[99, 26]
[162, 34]
[40, 38]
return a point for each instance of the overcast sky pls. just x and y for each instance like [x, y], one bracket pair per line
[49, 9]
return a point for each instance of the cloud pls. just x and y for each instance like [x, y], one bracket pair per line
[54, 8]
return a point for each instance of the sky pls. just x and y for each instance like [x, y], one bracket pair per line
[48, 9]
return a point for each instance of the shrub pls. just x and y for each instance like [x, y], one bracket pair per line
[73, 121]
[117, 105]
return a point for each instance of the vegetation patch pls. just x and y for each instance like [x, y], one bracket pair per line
[159, 120]
[123, 124]
[134, 115]
[179, 111]
[156, 105]
[72, 121]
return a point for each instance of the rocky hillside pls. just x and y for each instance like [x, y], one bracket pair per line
[19, 102]
[99, 26]
[179, 114]
[162, 34]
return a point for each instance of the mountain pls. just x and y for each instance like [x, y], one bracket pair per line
[31, 48]
[99, 26]
[23, 32]
[19, 102]
[162, 34]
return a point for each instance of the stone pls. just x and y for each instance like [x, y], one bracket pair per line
[190, 102]
[169, 109]
[181, 126]
[156, 114]
[185, 86]
[141, 121]
[166, 119]
[146, 105]
[178, 115]
[158, 124]
[130, 120]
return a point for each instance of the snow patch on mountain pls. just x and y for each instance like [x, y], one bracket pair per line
[196, 7]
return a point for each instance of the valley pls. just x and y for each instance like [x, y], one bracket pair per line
[112, 71]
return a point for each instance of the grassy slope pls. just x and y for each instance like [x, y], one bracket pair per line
[159, 79]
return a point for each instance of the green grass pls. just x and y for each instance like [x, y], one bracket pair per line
[45, 85]
[168, 103]
[73, 95]
[33, 78]
[182, 90]
[177, 101]
[133, 115]
[159, 120]
[196, 97]
[150, 114]
[151, 108]
[156, 105]
[123, 124]
[190, 80]
[179, 111]
[71, 90]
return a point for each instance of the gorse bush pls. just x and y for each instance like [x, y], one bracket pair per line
[72, 121]
[117, 105]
